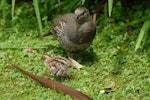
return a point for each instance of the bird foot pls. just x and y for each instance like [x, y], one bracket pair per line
[75, 64]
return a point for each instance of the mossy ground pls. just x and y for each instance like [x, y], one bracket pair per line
[111, 58]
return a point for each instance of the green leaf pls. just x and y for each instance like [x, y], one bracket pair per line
[13, 8]
[144, 30]
[3, 4]
[36, 7]
[83, 1]
[110, 5]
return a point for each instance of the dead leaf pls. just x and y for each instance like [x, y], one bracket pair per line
[108, 89]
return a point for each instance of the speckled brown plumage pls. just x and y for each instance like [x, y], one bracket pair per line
[74, 31]
[58, 65]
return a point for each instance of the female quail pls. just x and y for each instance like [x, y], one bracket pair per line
[74, 31]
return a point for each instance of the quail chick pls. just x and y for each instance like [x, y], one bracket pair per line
[57, 65]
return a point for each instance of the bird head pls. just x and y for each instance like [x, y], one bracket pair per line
[82, 15]
[45, 56]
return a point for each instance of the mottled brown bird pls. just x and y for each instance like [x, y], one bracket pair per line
[58, 65]
[74, 31]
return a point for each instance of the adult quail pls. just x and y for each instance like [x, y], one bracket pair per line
[74, 31]
[57, 65]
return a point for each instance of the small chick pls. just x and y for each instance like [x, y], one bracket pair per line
[57, 65]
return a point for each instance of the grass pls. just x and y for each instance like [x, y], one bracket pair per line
[110, 59]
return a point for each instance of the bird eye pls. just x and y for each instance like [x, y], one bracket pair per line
[83, 13]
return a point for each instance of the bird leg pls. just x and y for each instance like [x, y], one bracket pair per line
[75, 64]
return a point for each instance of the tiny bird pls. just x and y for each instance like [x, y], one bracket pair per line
[58, 65]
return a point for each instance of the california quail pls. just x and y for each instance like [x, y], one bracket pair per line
[57, 65]
[74, 31]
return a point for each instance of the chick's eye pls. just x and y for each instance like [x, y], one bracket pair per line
[83, 13]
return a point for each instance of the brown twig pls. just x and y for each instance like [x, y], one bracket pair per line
[52, 84]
